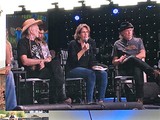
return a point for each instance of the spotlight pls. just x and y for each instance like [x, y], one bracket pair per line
[55, 4]
[115, 11]
[23, 12]
[76, 17]
[149, 6]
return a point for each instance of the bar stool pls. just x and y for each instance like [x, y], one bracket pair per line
[119, 81]
[73, 82]
[38, 93]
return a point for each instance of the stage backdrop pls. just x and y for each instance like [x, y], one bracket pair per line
[104, 23]
[14, 25]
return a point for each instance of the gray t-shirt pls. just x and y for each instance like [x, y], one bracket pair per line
[128, 47]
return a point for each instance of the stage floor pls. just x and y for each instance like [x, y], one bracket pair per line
[107, 105]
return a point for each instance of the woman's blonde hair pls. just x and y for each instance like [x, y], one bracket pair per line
[78, 30]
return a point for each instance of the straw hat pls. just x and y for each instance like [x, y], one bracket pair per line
[30, 22]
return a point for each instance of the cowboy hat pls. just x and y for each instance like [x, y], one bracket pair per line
[125, 25]
[30, 22]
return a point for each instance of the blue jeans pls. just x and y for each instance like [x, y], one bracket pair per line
[10, 93]
[91, 77]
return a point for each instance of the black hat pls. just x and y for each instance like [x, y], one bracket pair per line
[125, 25]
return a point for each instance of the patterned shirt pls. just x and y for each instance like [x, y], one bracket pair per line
[127, 47]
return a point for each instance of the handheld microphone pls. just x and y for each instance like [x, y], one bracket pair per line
[86, 41]
[155, 66]
[18, 69]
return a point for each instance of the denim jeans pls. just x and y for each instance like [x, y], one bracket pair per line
[10, 93]
[91, 77]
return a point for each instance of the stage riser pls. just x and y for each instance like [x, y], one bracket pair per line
[104, 106]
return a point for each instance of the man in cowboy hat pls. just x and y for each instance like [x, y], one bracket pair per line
[128, 53]
[31, 58]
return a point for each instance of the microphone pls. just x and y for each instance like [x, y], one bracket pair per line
[86, 41]
[155, 66]
[18, 69]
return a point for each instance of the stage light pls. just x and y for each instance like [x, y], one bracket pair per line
[149, 6]
[76, 17]
[115, 11]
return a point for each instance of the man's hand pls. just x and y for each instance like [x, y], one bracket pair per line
[47, 60]
[122, 58]
[41, 64]
[117, 61]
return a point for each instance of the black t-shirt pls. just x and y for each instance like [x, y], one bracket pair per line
[87, 60]
[29, 48]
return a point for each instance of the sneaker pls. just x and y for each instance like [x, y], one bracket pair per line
[68, 101]
[89, 103]
[100, 101]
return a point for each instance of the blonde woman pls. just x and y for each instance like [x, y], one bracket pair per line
[81, 62]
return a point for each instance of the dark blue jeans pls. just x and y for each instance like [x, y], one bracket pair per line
[91, 77]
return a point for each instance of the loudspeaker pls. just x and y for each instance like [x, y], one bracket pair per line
[151, 92]
[25, 94]
[34, 93]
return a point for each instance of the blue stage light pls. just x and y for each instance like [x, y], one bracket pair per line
[76, 17]
[115, 11]
[149, 6]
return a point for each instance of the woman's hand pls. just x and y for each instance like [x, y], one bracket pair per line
[8, 68]
[85, 46]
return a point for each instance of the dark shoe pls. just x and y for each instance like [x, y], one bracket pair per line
[140, 100]
[157, 76]
[18, 108]
[68, 101]
[156, 73]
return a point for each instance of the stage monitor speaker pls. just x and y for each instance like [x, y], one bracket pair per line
[151, 92]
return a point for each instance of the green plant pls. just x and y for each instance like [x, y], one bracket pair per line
[20, 114]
